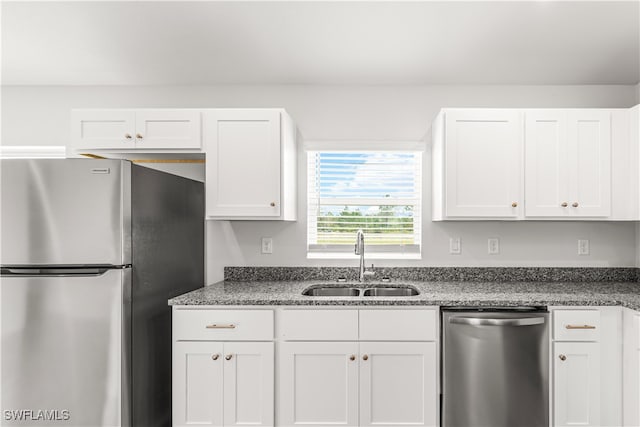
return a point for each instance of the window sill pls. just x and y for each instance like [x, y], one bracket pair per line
[367, 256]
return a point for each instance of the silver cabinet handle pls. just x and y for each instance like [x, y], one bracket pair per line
[221, 326]
[481, 321]
[562, 357]
[228, 356]
[139, 135]
[215, 356]
[579, 327]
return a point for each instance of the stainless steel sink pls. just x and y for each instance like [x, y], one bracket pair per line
[349, 291]
[328, 291]
[390, 292]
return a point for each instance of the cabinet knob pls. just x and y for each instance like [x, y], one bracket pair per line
[228, 356]
[352, 357]
[139, 135]
[215, 356]
[127, 135]
[514, 204]
[562, 357]
[574, 204]
[564, 204]
[272, 204]
[365, 357]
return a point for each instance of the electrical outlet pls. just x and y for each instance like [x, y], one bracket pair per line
[455, 246]
[267, 245]
[493, 246]
[583, 247]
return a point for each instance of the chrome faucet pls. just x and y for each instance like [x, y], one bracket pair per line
[359, 250]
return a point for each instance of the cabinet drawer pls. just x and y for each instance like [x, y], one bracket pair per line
[222, 325]
[319, 325]
[576, 325]
[398, 325]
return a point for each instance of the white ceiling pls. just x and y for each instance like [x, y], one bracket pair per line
[201, 43]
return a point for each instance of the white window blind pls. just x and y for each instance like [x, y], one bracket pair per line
[376, 191]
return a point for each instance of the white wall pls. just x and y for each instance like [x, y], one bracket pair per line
[40, 116]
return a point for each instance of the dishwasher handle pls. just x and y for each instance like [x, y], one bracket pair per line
[483, 321]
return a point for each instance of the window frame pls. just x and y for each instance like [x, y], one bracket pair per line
[392, 251]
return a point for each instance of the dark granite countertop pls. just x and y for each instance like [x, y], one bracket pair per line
[438, 293]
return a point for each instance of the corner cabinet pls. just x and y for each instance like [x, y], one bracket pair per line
[135, 130]
[251, 164]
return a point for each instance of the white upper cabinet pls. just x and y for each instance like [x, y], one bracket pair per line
[137, 130]
[540, 164]
[568, 163]
[478, 155]
[103, 129]
[251, 164]
[546, 163]
[168, 129]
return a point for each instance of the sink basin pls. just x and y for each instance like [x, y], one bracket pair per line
[390, 292]
[331, 292]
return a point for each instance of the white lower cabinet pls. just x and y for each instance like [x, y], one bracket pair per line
[576, 383]
[318, 383]
[197, 383]
[223, 384]
[397, 383]
[631, 368]
[586, 366]
[358, 384]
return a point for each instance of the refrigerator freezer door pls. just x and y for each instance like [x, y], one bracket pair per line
[65, 212]
[62, 349]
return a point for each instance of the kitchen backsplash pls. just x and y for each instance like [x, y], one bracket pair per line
[452, 274]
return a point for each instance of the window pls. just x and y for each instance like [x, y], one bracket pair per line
[376, 191]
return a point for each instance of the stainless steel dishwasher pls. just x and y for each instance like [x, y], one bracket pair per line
[495, 367]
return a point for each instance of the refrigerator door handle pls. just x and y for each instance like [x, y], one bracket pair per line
[56, 272]
[475, 321]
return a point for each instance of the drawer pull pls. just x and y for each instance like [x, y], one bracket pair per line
[580, 327]
[562, 357]
[228, 356]
[221, 326]
[215, 356]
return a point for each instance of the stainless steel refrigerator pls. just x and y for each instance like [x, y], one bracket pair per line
[91, 250]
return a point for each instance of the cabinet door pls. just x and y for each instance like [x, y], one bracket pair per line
[589, 138]
[631, 368]
[197, 383]
[398, 384]
[167, 129]
[103, 129]
[483, 163]
[248, 384]
[576, 384]
[243, 163]
[546, 163]
[318, 383]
